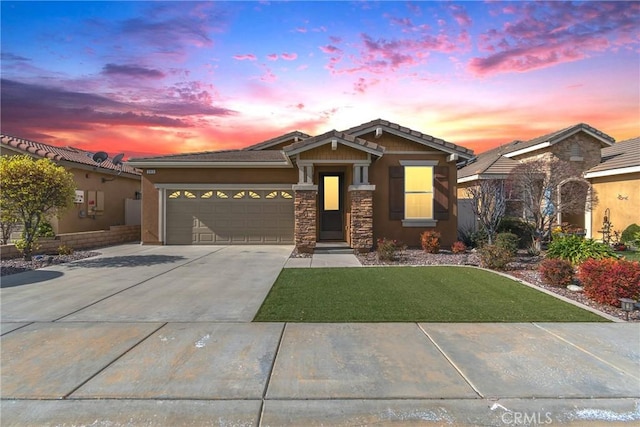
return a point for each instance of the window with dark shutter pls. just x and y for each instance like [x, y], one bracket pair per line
[396, 192]
[441, 197]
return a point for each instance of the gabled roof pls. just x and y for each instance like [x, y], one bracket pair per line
[340, 137]
[516, 148]
[489, 163]
[226, 158]
[621, 157]
[61, 154]
[295, 136]
[412, 135]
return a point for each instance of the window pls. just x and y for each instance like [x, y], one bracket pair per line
[418, 192]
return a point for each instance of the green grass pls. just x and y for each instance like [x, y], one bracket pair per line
[630, 255]
[410, 294]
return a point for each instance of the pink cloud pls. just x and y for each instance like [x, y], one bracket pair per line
[543, 35]
[289, 56]
[245, 57]
[272, 57]
[460, 15]
[330, 49]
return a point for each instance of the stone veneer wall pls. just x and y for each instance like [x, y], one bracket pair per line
[83, 240]
[361, 220]
[305, 211]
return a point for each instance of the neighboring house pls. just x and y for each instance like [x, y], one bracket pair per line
[376, 180]
[616, 181]
[579, 144]
[102, 192]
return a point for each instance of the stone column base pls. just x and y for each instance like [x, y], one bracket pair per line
[361, 227]
[305, 214]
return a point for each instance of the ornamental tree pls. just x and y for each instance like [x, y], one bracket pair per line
[34, 190]
[489, 203]
[537, 184]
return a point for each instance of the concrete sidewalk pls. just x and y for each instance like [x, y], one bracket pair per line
[162, 336]
[275, 374]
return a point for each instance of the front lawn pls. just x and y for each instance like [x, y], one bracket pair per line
[410, 294]
[630, 255]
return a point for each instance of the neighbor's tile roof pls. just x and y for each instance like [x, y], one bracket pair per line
[266, 156]
[57, 154]
[416, 135]
[335, 134]
[278, 140]
[556, 136]
[489, 163]
[623, 154]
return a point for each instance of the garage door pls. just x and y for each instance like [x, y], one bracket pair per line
[227, 217]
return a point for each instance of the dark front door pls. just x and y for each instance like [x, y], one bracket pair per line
[331, 206]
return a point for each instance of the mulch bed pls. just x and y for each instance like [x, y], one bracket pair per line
[18, 265]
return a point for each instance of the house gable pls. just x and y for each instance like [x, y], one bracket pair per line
[377, 129]
[334, 139]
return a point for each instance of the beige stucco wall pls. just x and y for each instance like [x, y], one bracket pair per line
[621, 195]
[116, 190]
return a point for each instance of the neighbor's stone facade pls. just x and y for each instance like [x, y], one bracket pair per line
[305, 211]
[361, 227]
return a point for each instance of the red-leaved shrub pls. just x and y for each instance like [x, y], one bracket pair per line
[458, 247]
[606, 280]
[556, 272]
[430, 241]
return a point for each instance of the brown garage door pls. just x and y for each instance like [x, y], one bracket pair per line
[228, 217]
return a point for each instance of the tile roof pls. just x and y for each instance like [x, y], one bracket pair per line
[412, 134]
[58, 154]
[557, 136]
[623, 154]
[244, 156]
[368, 145]
[490, 163]
[494, 162]
[277, 140]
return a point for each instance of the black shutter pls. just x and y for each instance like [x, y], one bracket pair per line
[396, 192]
[441, 193]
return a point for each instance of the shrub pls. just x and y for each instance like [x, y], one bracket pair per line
[458, 247]
[606, 280]
[494, 257]
[388, 249]
[636, 239]
[430, 241]
[520, 228]
[45, 230]
[576, 249]
[65, 250]
[509, 241]
[556, 272]
[473, 239]
[629, 234]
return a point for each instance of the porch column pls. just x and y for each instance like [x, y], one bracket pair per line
[361, 226]
[305, 208]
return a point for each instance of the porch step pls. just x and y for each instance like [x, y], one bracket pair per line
[332, 248]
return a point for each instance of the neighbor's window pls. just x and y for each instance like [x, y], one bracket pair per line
[418, 192]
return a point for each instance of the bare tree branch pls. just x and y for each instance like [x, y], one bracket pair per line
[489, 203]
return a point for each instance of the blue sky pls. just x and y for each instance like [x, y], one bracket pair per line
[164, 77]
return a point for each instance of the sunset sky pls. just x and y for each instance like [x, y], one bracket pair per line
[150, 78]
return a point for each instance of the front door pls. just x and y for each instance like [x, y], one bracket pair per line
[331, 206]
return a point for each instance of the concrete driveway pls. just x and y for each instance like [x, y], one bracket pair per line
[148, 283]
[161, 336]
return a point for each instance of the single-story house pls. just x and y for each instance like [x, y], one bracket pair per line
[376, 180]
[105, 193]
[616, 181]
[579, 144]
